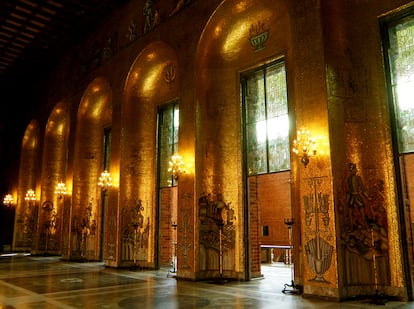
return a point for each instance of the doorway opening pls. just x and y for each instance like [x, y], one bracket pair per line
[106, 156]
[267, 166]
[398, 42]
[168, 125]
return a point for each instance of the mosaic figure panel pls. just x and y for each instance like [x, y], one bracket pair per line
[364, 231]
[217, 232]
[135, 233]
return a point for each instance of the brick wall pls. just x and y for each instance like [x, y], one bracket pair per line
[270, 205]
[274, 206]
[255, 256]
[168, 211]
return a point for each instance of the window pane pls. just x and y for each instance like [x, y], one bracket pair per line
[276, 93]
[267, 119]
[402, 78]
[168, 141]
[255, 100]
[256, 154]
[278, 121]
[279, 151]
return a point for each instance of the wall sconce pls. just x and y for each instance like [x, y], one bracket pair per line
[304, 146]
[30, 195]
[60, 190]
[105, 180]
[176, 166]
[8, 200]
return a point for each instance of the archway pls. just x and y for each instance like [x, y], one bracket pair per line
[53, 171]
[240, 36]
[27, 204]
[94, 117]
[146, 232]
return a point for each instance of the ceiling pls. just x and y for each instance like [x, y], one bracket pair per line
[32, 32]
[33, 35]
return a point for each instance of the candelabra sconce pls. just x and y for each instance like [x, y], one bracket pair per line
[176, 166]
[30, 196]
[304, 146]
[105, 181]
[173, 271]
[379, 298]
[289, 223]
[295, 289]
[60, 190]
[8, 200]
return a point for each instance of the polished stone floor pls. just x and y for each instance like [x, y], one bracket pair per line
[47, 282]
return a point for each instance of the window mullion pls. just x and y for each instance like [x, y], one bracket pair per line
[266, 120]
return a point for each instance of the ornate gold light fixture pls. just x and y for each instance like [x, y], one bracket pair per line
[8, 200]
[176, 166]
[105, 180]
[30, 195]
[60, 190]
[304, 146]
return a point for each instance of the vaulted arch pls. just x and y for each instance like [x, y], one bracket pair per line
[152, 81]
[93, 117]
[26, 210]
[54, 162]
[239, 35]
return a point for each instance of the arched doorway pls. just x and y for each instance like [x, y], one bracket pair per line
[147, 206]
[226, 52]
[91, 154]
[267, 161]
[49, 236]
[27, 192]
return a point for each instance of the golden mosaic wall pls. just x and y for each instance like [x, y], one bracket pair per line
[335, 89]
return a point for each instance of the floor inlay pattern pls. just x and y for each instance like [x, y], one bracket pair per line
[28, 282]
[70, 282]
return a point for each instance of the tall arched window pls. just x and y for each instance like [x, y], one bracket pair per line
[264, 95]
[168, 123]
[401, 61]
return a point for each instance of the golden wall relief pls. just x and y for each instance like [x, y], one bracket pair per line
[53, 173]
[29, 221]
[49, 228]
[185, 235]
[318, 248]
[105, 48]
[217, 233]
[84, 232]
[111, 233]
[364, 231]
[94, 115]
[259, 34]
[135, 233]
[27, 199]
[169, 73]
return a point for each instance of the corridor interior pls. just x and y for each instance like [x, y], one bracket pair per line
[48, 282]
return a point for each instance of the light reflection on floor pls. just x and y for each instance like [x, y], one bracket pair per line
[47, 282]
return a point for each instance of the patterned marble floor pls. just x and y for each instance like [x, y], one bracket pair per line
[47, 282]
